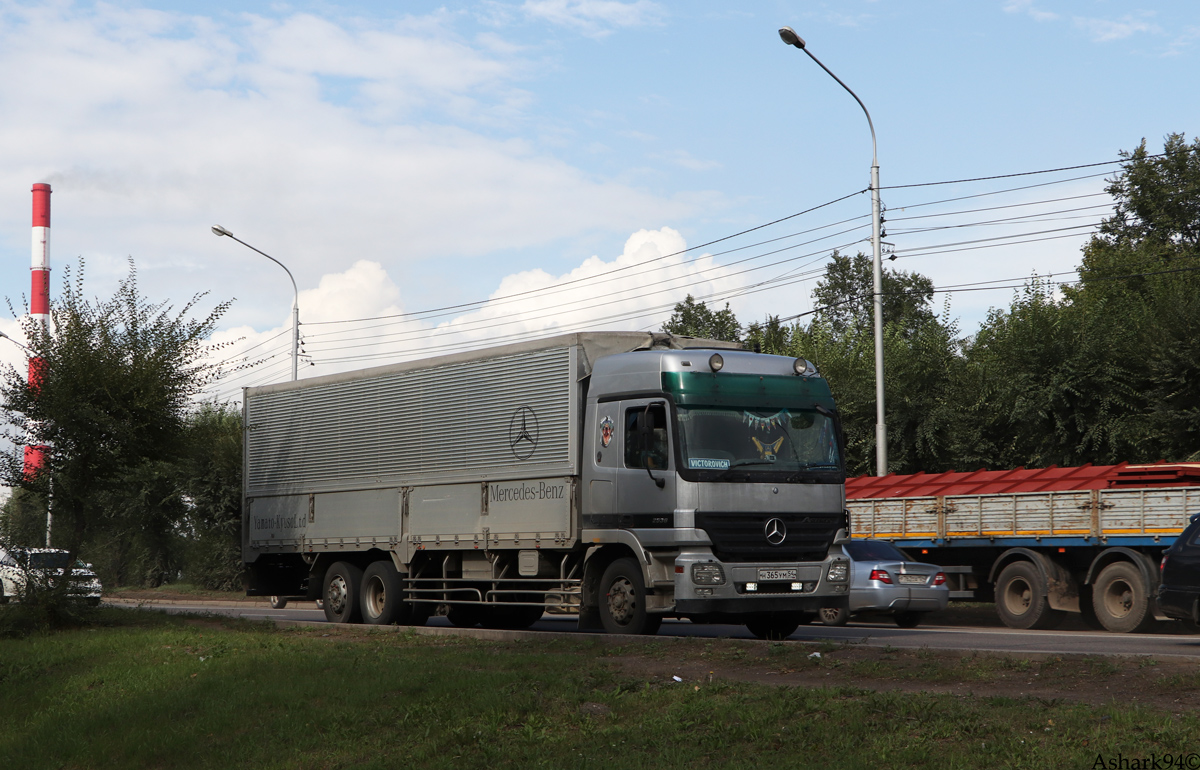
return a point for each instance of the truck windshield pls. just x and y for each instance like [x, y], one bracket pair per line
[722, 438]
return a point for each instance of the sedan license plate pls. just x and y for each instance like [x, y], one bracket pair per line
[776, 574]
[910, 580]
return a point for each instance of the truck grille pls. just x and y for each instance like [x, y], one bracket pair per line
[740, 537]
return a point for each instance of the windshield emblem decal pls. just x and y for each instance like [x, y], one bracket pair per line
[523, 433]
[767, 451]
[607, 428]
[776, 531]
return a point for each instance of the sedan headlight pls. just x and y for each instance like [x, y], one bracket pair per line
[708, 574]
[838, 572]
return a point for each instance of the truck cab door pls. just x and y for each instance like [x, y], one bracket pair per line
[646, 469]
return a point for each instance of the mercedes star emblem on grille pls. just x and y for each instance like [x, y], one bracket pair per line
[776, 531]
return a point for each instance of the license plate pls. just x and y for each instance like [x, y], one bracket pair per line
[776, 574]
[913, 579]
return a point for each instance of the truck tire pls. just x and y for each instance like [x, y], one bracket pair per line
[1021, 598]
[278, 602]
[1121, 599]
[511, 618]
[382, 600]
[342, 583]
[623, 600]
[464, 615]
[834, 616]
[775, 626]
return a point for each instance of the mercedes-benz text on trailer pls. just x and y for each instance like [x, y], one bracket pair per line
[626, 477]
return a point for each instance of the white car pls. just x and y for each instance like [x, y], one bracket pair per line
[44, 564]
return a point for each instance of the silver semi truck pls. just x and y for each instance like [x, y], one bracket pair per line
[623, 476]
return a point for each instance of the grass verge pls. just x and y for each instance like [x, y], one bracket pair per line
[162, 691]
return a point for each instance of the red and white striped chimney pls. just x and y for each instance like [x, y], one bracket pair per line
[39, 301]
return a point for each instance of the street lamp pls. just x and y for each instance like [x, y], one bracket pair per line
[789, 36]
[219, 231]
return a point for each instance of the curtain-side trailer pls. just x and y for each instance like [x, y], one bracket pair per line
[1039, 542]
[624, 476]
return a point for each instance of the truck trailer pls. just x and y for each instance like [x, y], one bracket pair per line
[1040, 542]
[623, 476]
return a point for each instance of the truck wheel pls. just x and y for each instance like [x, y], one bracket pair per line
[1021, 598]
[908, 619]
[341, 593]
[382, 600]
[1121, 600]
[835, 616]
[775, 626]
[464, 615]
[623, 600]
[278, 602]
[516, 618]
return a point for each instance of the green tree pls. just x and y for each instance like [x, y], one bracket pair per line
[210, 479]
[117, 382]
[696, 319]
[1110, 371]
[845, 296]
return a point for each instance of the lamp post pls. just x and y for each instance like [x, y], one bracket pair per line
[789, 36]
[219, 231]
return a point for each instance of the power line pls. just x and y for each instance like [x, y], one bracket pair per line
[1010, 176]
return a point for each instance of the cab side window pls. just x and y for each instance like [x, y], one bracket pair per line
[646, 437]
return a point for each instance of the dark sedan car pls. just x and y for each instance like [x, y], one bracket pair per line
[1179, 591]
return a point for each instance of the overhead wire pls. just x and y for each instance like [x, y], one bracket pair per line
[787, 278]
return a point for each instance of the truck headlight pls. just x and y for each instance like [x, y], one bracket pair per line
[838, 572]
[708, 574]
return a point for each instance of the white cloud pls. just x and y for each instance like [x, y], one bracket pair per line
[321, 143]
[685, 159]
[1027, 7]
[595, 17]
[635, 290]
[1105, 30]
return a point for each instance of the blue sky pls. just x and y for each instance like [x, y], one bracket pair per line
[452, 153]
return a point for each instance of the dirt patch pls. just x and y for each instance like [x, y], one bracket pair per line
[1166, 684]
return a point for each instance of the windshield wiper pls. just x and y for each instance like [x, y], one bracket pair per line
[746, 461]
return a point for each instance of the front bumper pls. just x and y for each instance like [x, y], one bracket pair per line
[744, 593]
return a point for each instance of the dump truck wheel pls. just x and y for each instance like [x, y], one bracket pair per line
[342, 583]
[1021, 598]
[1121, 600]
[623, 600]
[382, 598]
[775, 626]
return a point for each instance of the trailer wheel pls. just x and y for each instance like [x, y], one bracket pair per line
[278, 602]
[341, 593]
[835, 616]
[775, 626]
[623, 600]
[1121, 599]
[382, 601]
[1021, 598]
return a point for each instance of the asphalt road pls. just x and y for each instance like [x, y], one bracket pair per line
[881, 634]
